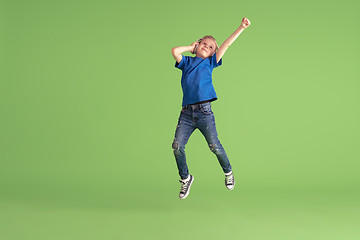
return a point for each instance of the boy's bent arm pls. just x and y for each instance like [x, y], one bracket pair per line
[177, 51]
[220, 53]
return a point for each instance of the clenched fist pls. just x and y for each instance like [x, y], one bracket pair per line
[245, 23]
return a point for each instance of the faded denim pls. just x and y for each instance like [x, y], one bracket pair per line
[199, 116]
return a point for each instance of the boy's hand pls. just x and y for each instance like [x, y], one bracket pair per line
[193, 45]
[245, 23]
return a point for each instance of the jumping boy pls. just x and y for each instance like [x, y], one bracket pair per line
[198, 93]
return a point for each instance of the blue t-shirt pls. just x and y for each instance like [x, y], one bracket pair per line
[196, 79]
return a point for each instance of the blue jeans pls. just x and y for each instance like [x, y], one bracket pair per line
[192, 117]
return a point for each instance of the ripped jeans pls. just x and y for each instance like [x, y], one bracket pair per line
[192, 117]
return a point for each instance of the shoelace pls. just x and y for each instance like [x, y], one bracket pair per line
[230, 179]
[183, 186]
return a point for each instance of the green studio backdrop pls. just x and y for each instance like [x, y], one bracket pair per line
[90, 100]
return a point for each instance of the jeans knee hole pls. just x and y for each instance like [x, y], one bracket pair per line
[175, 145]
[213, 148]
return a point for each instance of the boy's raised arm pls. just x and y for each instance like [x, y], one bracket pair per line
[177, 51]
[220, 53]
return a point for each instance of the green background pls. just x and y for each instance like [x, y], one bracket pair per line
[90, 100]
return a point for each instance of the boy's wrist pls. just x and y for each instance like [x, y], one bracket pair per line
[190, 49]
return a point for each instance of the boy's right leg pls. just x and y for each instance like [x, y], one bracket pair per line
[183, 131]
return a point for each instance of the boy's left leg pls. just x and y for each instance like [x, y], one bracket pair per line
[207, 127]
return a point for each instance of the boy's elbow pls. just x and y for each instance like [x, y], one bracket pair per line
[175, 53]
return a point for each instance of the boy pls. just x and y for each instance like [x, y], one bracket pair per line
[198, 93]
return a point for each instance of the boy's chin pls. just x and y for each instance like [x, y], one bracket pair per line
[203, 55]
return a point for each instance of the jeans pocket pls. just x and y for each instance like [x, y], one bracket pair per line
[206, 109]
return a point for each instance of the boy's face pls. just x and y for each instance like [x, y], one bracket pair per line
[206, 48]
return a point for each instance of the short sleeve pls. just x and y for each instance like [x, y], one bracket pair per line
[183, 63]
[213, 62]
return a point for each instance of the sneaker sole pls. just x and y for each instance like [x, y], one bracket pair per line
[230, 185]
[230, 188]
[188, 191]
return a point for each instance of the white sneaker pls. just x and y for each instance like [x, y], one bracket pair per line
[229, 181]
[185, 187]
